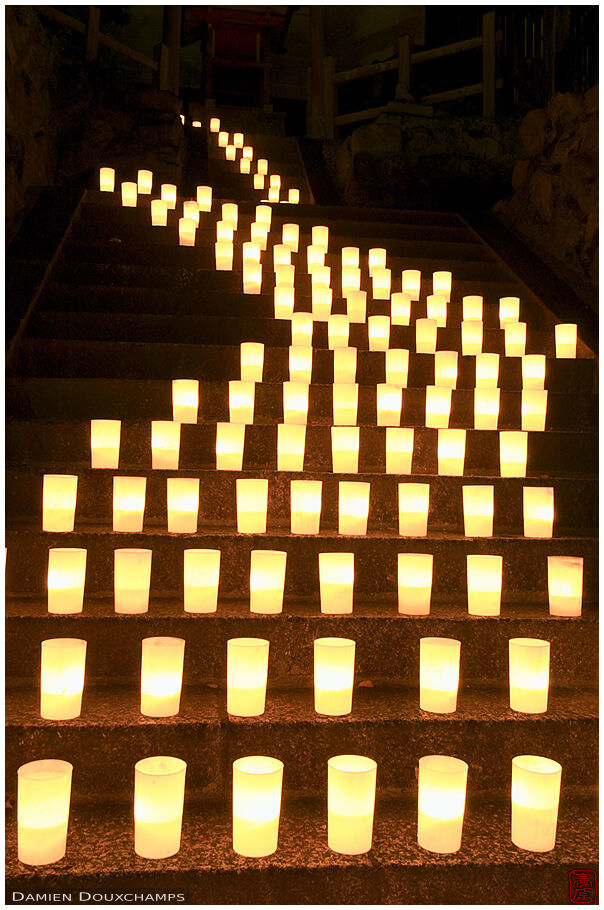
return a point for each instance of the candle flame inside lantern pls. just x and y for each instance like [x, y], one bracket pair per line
[333, 675]
[345, 450]
[257, 785]
[107, 179]
[566, 340]
[159, 792]
[399, 450]
[441, 803]
[535, 797]
[413, 506]
[305, 497]
[267, 581]
[351, 783]
[66, 578]
[336, 581]
[247, 673]
[565, 585]
[484, 585]
[414, 583]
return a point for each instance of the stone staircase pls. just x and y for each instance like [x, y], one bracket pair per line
[126, 311]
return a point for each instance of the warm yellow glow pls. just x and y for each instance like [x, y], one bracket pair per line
[214, 124]
[165, 444]
[295, 402]
[478, 507]
[300, 364]
[350, 257]
[378, 330]
[230, 440]
[356, 306]
[351, 783]
[445, 369]
[190, 209]
[472, 307]
[565, 585]
[43, 797]
[259, 183]
[345, 450]
[107, 179]
[336, 582]
[284, 275]
[259, 235]
[566, 340]
[66, 578]
[515, 339]
[441, 284]
[223, 250]
[400, 309]
[230, 153]
[168, 194]
[533, 372]
[302, 329]
[414, 583]
[204, 198]
[247, 152]
[441, 803]
[439, 674]
[471, 338]
[509, 310]
[487, 371]
[413, 507]
[129, 194]
[238, 140]
[389, 404]
[351, 280]
[196, 123]
[376, 259]
[252, 500]
[290, 236]
[267, 581]
[345, 403]
[223, 139]
[411, 279]
[529, 675]
[338, 327]
[380, 279]
[257, 784]
[451, 452]
[252, 361]
[262, 165]
[305, 498]
[315, 255]
[425, 336]
[397, 367]
[132, 577]
[322, 298]
[353, 508]
[185, 400]
[62, 678]
[247, 672]
[245, 166]
[230, 213]
[241, 401]
[345, 365]
[183, 504]
[201, 578]
[186, 231]
[320, 236]
[399, 450]
[291, 442]
[293, 196]
[436, 309]
[224, 231]
[161, 676]
[534, 409]
[438, 407]
[159, 213]
[129, 504]
[484, 585]
[144, 182]
[535, 797]
[334, 675]
[321, 276]
[513, 450]
[59, 502]
[273, 194]
[159, 793]
[538, 511]
[284, 302]
[486, 409]
[275, 180]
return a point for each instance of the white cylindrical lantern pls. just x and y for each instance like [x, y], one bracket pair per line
[376, 259]
[267, 581]
[252, 361]
[190, 209]
[159, 213]
[509, 310]
[439, 674]
[380, 280]
[411, 282]
[322, 299]
[535, 798]
[245, 166]
[168, 194]
[238, 140]
[129, 194]
[305, 499]
[295, 402]
[214, 124]
[356, 306]
[345, 403]
[345, 365]
[183, 504]
[230, 153]
[282, 255]
[338, 327]
[252, 501]
[59, 493]
[451, 452]
[290, 236]
[321, 276]
[515, 339]
[400, 309]
[397, 367]
[43, 798]
[230, 441]
[472, 307]
[533, 372]
[300, 363]
[264, 213]
[350, 257]
[413, 507]
[315, 255]
[389, 404]
[471, 337]
[336, 582]
[241, 401]
[105, 443]
[438, 407]
[66, 578]
[224, 231]
[275, 180]
[159, 793]
[257, 784]
[259, 180]
[441, 802]
[144, 182]
[284, 302]
[247, 152]
[534, 409]
[247, 673]
[565, 585]
[129, 504]
[566, 340]
[441, 284]
[185, 400]
[223, 139]
[132, 578]
[230, 214]
[165, 444]
[425, 336]
[273, 194]
[201, 578]
[445, 369]
[196, 123]
[62, 678]
[478, 510]
[487, 371]
[484, 585]
[186, 231]
[414, 583]
[334, 675]
[223, 250]
[293, 196]
[378, 332]
[513, 451]
[399, 450]
[436, 309]
[345, 450]
[353, 508]
[259, 234]
[538, 511]
[107, 179]
[529, 675]
[486, 409]
[204, 198]
[320, 236]
[351, 783]
[302, 326]
[291, 443]
[161, 676]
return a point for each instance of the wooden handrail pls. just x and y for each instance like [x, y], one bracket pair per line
[361, 72]
[458, 47]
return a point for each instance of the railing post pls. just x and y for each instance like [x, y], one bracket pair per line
[92, 33]
[161, 53]
[329, 69]
[488, 65]
[405, 49]
[172, 39]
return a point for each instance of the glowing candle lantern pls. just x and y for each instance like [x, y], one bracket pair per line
[293, 196]
[168, 194]
[515, 339]
[305, 498]
[535, 798]
[132, 578]
[230, 213]
[300, 364]
[159, 794]
[380, 279]
[399, 450]
[413, 507]
[320, 236]
[230, 440]
[338, 327]
[478, 507]
[351, 279]
[107, 179]
[165, 444]
[533, 371]
[445, 369]
[376, 259]
[414, 583]
[397, 367]
[538, 511]
[565, 585]
[345, 403]
[425, 336]
[196, 123]
[230, 153]
[214, 124]
[185, 400]
[322, 298]
[302, 326]
[145, 182]
[186, 231]
[321, 276]
[439, 674]
[238, 140]
[350, 803]
[336, 582]
[472, 307]
[509, 310]
[259, 235]
[438, 406]
[204, 198]
[59, 502]
[159, 213]
[400, 309]
[190, 209]
[252, 361]
[259, 180]
[350, 257]
[66, 578]
[43, 797]
[252, 501]
[183, 504]
[273, 194]
[223, 139]
[275, 180]
[513, 446]
[282, 255]
[315, 255]
[345, 365]
[487, 371]
[290, 236]
[353, 509]
[566, 340]
[291, 443]
[161, 676]
[284, 302]
[529, 675]
[378, 330]
[247, 152]
[241, 400]
[484, 585]
[224, 255]
[295, 402]
[62, 678]
[471, 338]
[262, 165]
[345, 450]
[267, 581]
[356, 306]
[534, 409]
[451, 452]
[129, 194]
[411, 282]
[244, 166]
[284, 275]
[441, 284]
[201, 578]
[486, 409]
[389, 404]
[436, 308]
[441, 803]
[247, 673]
[129, 504]
[224, 231]
[257, 784]
[334, 675]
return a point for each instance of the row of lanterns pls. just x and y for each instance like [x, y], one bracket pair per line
[247, 154]
[132, 577]
[44, 793]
